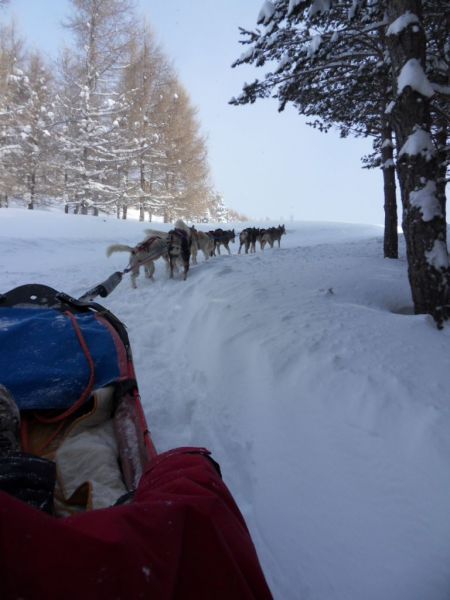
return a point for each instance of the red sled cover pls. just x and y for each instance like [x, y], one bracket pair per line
[182, 537]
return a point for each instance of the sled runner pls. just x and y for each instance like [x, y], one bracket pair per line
[69, 366]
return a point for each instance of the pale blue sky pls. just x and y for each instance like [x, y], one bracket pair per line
[264, 163]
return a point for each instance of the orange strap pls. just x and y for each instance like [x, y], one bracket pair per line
[82, 399]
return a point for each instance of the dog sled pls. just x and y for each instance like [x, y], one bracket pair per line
[126, 521]
[69, 367]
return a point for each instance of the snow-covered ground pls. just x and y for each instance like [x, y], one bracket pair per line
[323, 398]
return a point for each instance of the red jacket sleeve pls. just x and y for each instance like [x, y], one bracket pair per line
[182, 537]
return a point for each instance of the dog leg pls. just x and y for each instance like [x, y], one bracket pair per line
[167, 261]
[172, 260]
[186, 269]
[134, 274]
[149, 269]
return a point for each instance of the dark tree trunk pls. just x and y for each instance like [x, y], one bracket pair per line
[66, 209]
[142, 177]
[390, 197]
[423, 221]
[124, 211]
[32, 191]
[141, 212]
[441, 143]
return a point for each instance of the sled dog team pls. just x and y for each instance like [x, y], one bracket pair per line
[181, 244]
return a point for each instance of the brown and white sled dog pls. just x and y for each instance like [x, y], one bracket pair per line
[142, 255]
[175, 238]
[201, 241]
[179, 247]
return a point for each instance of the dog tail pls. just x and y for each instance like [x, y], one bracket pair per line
[118, 248]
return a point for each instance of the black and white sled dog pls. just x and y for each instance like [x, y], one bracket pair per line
[142, 255]
[199, 240]
[179, 247]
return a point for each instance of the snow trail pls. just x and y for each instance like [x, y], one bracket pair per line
[300, 368]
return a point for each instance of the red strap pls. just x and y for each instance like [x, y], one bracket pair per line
[88, 390]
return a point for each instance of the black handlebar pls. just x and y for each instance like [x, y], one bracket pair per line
[104, 288]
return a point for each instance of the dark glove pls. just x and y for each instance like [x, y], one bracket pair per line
[29, 478]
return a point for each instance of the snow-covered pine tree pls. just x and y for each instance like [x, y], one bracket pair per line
[218, 210]
[436, 20]
[417, 166]
[143, 82]
[183, 162]
[14, 91]
[91, 106]
[329, 62]
[304, 36]
[36, 121]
